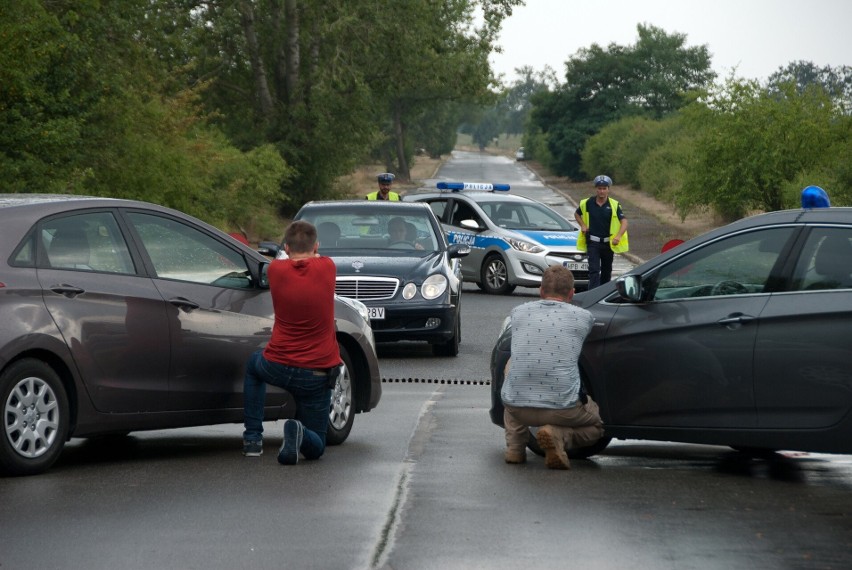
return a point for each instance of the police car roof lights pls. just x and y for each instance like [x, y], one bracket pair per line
[457, 186]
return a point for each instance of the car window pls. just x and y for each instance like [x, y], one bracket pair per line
[182, 252]
[86, 242]
[438, 207]
[525, 216]
[462, 211]
[826, 260]
[736, 265]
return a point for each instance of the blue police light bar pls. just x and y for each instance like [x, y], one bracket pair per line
[456, 186]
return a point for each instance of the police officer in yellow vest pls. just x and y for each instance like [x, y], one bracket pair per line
[384, 192]
[603, 231]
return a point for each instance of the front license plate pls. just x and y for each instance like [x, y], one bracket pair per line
[576, 265]
[376, 313]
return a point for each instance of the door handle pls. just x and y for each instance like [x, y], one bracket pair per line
[69, 291]
[184, 305]
[736, 319]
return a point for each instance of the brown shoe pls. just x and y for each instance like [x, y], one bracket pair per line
[513, 456]
[554, 450]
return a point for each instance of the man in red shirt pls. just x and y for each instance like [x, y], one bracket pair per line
[302, 352]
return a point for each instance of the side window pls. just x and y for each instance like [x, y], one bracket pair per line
[86, 242]
[735, 265]
[462, 211]
[826, 261]
[182, 252]
[438, 207]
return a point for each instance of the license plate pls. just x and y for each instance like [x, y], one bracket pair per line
[576, 265]
[376, 313]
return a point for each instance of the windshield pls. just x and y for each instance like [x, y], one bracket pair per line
[525, 216]
[361, 229]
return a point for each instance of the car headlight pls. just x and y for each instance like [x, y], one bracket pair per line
[434, 286]
[357, 305]
[409, 291]
[525, 246]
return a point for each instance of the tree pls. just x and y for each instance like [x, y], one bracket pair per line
[516, 101]
[837, 82]
[86, 107]
[651, 78]
[753, 145]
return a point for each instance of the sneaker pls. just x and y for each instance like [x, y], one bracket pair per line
[554, 450]
[293, 433]
[253, 448]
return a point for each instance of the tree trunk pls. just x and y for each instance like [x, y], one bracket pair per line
[292, 55]
[399, 133]
[261, 86]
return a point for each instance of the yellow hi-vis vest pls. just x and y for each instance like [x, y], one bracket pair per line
[392, 196]
[614, 226]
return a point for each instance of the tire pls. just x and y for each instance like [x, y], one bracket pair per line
[451, 347]
[341, 415]
[35, 417]
[494, 276]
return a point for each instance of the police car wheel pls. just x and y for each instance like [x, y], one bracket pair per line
[494, 276]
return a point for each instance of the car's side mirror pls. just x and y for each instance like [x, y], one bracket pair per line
[470, 225]
[458, 250]
[268, 248]
[263, 271]
[629, 287]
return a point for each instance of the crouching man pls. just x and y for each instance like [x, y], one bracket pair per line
[542, 382]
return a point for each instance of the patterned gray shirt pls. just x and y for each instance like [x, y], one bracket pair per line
[547, 337]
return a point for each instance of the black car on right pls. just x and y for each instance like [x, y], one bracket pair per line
[739, 337]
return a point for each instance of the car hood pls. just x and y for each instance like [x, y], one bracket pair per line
[548, 238]
[394, 265]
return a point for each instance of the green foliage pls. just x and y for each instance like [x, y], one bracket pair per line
[536, 146]
[231, 110]
[754, 146]
[620, 147]
[85, 107]
[652, 78]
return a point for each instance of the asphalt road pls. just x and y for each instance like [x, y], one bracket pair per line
[421, 484]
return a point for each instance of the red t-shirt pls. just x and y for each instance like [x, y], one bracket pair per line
[304, 333]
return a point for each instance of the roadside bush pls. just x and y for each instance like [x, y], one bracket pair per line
[620, 148]
[662, 172]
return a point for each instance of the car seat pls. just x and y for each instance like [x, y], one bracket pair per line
[328, 233]
[833, 263]
[69, 248]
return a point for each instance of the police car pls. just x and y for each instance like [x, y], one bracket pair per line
[513, 239]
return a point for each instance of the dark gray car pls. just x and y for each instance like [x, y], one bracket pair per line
[739, 337]
[118, 316]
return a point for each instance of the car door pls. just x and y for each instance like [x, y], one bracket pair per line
[685, 357]
[217, 315]
[113, 320]
[458, 210]
[803, 364]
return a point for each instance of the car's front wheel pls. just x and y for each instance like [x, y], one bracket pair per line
[341, 415]
[494, 276]
[35, 417]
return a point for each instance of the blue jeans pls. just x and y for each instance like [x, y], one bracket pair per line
[309, 389]
[600, 263]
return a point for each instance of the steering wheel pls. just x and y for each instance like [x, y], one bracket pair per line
[401, 245]
[728, 287]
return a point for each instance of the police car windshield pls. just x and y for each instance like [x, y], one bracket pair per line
[526, 216]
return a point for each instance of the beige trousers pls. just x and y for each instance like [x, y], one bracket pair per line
[577, 426]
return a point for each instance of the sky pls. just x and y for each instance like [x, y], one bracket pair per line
[751, 38]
